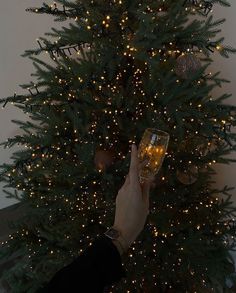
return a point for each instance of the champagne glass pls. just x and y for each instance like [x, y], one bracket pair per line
[152, 149]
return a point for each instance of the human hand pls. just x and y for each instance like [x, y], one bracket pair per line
[132, 202]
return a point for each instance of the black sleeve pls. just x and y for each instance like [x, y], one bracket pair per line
[97, 267]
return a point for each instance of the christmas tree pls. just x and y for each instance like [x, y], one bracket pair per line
[139, 64]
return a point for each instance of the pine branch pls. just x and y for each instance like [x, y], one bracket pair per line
[62, 14]
[224, 3]
[15, 98]
[56, 50]
[201, 6]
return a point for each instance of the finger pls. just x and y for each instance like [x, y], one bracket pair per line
[146, 186]
[133, 171]
[142, 164]
[146, 190]
[127, 179]
[150, 180]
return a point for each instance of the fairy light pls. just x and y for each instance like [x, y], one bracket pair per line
[100, 85]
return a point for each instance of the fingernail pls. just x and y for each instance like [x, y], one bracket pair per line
[133, 147]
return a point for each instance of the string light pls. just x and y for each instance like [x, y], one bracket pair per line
[138, 90]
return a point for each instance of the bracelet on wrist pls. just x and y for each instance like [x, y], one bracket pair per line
[115, 234]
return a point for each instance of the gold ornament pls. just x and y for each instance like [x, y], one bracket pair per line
[199, 147]
[103, 159]
[196, 147]
[189, 175]
[187, 65]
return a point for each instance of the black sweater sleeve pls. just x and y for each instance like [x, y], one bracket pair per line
[97, 267]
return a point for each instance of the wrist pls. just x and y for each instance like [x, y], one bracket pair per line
[118, 246]
[122, 239]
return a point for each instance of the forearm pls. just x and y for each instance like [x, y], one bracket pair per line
[100, 265]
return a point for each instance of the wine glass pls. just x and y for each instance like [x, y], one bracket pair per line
[152, 149]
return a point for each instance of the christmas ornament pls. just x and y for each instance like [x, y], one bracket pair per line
[193, 145]
[199, 147]
[187, 65]
[189, 175]
[210, 146]
[103, 159]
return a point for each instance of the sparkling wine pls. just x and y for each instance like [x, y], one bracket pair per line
[152, 148]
